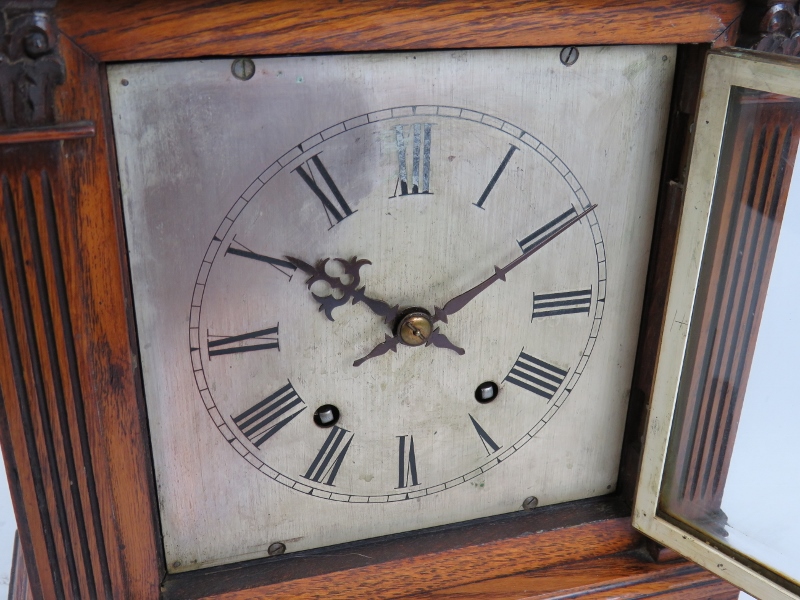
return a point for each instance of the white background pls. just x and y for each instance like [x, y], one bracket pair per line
[7, 528]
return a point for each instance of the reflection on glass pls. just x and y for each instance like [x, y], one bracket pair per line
[733, 472]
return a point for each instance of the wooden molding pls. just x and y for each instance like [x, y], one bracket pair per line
[158, 29]
[74, 435]
[32, 135]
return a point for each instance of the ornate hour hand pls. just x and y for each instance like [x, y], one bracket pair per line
[350, 291]
[456, 304]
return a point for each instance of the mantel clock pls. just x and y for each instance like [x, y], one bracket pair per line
[302, 301]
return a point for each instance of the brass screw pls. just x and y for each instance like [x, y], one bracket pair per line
[243, 68]
[276, 549]
[569, 56]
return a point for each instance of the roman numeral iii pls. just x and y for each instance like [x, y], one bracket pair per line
[330, 456]
[263, 339]
[421, 133]
[260, 422]
[407, 463]
[537, 376]
[561, 303]
[338, 210]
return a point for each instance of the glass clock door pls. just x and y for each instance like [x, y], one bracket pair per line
[720, 479]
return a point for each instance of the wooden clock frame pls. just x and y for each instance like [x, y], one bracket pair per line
[73, 426]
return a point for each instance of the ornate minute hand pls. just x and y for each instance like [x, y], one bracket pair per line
[456, 304]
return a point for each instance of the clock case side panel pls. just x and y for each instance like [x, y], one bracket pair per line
[73, 431]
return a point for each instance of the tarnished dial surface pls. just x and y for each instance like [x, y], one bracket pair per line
[433, 197]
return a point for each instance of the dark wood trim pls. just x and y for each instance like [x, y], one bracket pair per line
[685, 96]
[159, 29]
[54, 133]
[74, 432]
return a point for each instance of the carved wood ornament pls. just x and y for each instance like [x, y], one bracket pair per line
[780, 29]
[30, 68]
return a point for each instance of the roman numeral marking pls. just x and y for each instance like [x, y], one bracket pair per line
[422, 145]
[561, 303]
[330, 457]
[537, 376]
[340, 212]
[534, 238]
[488, 442]
[268, 417]
[264, 339]
[408, 462]
[283, 266]
[496, 176]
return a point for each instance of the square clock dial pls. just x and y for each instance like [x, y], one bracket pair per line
[376, 293]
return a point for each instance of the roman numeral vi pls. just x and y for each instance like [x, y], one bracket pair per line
[407, 463]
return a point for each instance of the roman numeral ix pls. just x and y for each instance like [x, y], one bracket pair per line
[422, 146]
[283, 266]
[330, 456]
[260, 422]
[337, 211]
[263, 339]
[408, 462]
[537, 376]
[530, 241]
[561, 303]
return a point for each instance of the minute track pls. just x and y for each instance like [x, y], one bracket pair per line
[364, 294]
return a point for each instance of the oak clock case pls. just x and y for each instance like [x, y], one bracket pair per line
[279, 229]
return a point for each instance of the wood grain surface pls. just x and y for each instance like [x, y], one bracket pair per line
[159, 29]
[384, 554]
[590, 560]
[73, 433]
[97, 286]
